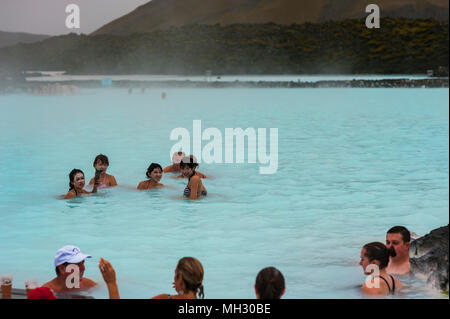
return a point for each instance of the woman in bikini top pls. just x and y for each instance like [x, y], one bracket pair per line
[374, 261]
[194, 189]
[76, 184]
[101, 164]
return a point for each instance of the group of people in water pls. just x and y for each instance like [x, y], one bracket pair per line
[384, 262]
[381, 262]
[185, 165]
[187, 282]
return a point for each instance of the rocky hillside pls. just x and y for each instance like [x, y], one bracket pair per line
[12, 38]
[162, 14]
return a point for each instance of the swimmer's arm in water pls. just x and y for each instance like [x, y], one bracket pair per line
[195, 186]
[168, 169]
[70, 194]
[201, 175]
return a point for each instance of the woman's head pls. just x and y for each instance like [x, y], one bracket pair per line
[101, 163]
[188, 165]
[189, 276]
[76, 179]
[376, 253]
[269, 284]
[154, 171]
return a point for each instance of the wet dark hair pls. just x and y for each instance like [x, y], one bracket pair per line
[189, 161]
[151, 168]
[72, 174]
[406, 235]
[379, 251]
[57, 270]
[102, 158]
[270, 283]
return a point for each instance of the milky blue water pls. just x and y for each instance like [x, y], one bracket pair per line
[352, 164]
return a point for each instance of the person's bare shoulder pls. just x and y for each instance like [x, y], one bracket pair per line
[141, 185]
[70, 194]
[91, 182]
[201, 175]
[161, 296]
[87, 283]
[369, 291]
[112, 180]
[50, 284]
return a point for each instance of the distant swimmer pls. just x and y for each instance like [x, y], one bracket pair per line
[175, 167]
[176, 159]
[154, 174]
[163, 95]
[194, 189]
[374, 261]
[101, 164]
[76, 184]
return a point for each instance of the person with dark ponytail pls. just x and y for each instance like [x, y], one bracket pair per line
[188, 280]
[269, 284]
[101, 164]
[76, 184]
[154, 174]
[374, 261]
[194, 189]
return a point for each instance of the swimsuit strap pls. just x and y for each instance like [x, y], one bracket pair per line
[393, 284]
[385, 282]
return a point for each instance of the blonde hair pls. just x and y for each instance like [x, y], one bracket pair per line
[191, 270]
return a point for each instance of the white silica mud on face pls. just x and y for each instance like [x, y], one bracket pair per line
[352, 163]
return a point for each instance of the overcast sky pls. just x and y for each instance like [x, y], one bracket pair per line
[49, 16]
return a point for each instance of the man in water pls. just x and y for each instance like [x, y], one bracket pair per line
[176, 160]
[69, 267]
[400, 238]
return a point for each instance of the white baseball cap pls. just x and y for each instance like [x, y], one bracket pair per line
[69, 254]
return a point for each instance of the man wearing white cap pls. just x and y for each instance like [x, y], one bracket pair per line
[69, 267]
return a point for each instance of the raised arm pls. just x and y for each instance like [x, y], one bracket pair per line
[109, 276]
